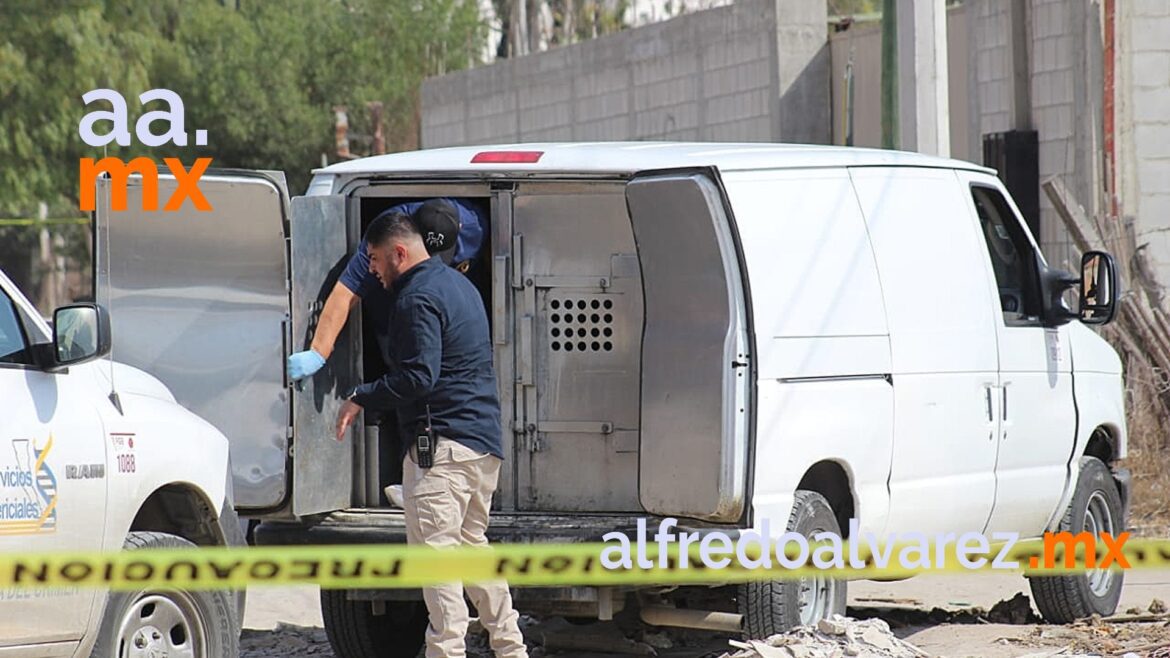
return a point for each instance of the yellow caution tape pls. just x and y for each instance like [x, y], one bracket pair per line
[397, 566]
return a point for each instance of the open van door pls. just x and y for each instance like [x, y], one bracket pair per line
[696, 356]
[202, 301]
[322, 466]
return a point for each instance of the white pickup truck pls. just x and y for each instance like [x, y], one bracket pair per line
[96, 455]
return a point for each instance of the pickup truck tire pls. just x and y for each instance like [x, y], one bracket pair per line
[354, 630]
[177, 623]
[771, 607]
[1095, 507]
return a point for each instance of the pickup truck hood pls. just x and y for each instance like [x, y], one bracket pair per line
[132, 381]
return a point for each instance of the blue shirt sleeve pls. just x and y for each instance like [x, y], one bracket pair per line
[472, 227]
[417, 336]
[356, 275]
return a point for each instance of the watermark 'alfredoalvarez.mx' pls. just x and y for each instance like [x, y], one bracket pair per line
[754, 549]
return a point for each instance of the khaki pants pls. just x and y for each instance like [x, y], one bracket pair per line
[447, 505]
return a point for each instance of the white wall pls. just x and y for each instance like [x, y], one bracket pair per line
[1143, 110]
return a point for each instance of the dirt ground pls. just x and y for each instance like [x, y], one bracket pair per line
[937, 613]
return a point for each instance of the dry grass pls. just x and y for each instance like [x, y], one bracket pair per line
[1146, 389]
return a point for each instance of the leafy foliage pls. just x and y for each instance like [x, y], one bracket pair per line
[853, 7]
[260, 76]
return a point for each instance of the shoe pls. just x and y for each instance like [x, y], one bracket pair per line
[394, 495]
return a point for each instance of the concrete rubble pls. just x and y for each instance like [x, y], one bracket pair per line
[284, 641]
[831, 638]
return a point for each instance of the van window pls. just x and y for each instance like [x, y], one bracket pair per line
[1012, 257]
[13, 346]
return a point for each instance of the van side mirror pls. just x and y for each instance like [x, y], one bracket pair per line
[1053, 284]
[1098, 288]
[81, 332]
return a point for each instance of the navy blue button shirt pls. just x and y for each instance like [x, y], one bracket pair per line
[439, 352]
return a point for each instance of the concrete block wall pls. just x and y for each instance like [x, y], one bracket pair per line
[1066, 111]
[992, 81]
[1061, 97]
[729, 74]
[861, 45]
[1143, 116]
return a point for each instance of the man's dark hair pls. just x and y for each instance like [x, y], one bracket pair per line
[390, 225]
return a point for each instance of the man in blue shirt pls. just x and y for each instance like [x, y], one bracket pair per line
[440, 357]
[435, 217]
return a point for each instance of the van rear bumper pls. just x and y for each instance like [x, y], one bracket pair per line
[389, 527]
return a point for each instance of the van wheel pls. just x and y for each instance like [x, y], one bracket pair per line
[1095, 508]
[356, 632]
[159, 622]
[771, 607]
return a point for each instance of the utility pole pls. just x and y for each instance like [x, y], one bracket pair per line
[341, 132]
[520, 12]
[889, 74]
[379, 146]
[49, 298]
[923, 105]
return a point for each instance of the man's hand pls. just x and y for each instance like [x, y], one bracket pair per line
[304, 364]
[349, 413]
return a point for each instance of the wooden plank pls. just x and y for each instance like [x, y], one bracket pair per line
[1083, 231]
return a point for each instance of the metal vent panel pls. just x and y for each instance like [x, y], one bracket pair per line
[582, 323]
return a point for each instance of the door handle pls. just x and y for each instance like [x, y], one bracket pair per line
[987, 397]
[500, 301]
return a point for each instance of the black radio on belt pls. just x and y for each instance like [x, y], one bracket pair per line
[424, 443]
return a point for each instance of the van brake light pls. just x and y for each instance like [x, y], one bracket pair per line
[507, 157]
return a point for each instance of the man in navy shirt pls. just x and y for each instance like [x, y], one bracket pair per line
[448, 226]
[440, 357]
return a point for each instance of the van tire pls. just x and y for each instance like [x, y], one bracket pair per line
[771, 607]
[1064, 599]
[205, 618]
[354, 630]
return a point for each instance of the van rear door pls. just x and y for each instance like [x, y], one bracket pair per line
[578, 325]
[322, 477]
[696, 377]
[201, 300]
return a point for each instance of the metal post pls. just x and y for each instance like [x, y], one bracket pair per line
[48, 296]
[376, 120]
[889, 74]
[341, 131]
[520, 11]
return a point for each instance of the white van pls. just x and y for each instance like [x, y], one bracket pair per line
[717, 333]
[97, 456]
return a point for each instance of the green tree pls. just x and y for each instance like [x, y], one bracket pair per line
[261, 78]
[854, 7]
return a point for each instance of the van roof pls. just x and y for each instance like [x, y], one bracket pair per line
[632, 157]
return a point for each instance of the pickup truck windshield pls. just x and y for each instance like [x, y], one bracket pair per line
[13, 346]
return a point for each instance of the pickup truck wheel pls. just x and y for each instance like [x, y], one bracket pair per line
[356, 632]
[771, 607]
[1095, 508]
[159, 622]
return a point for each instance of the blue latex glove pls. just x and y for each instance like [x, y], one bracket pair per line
[304, 364]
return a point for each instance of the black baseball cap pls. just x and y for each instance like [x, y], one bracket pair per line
[438, 223]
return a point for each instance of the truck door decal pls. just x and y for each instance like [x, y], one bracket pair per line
[28, 504]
